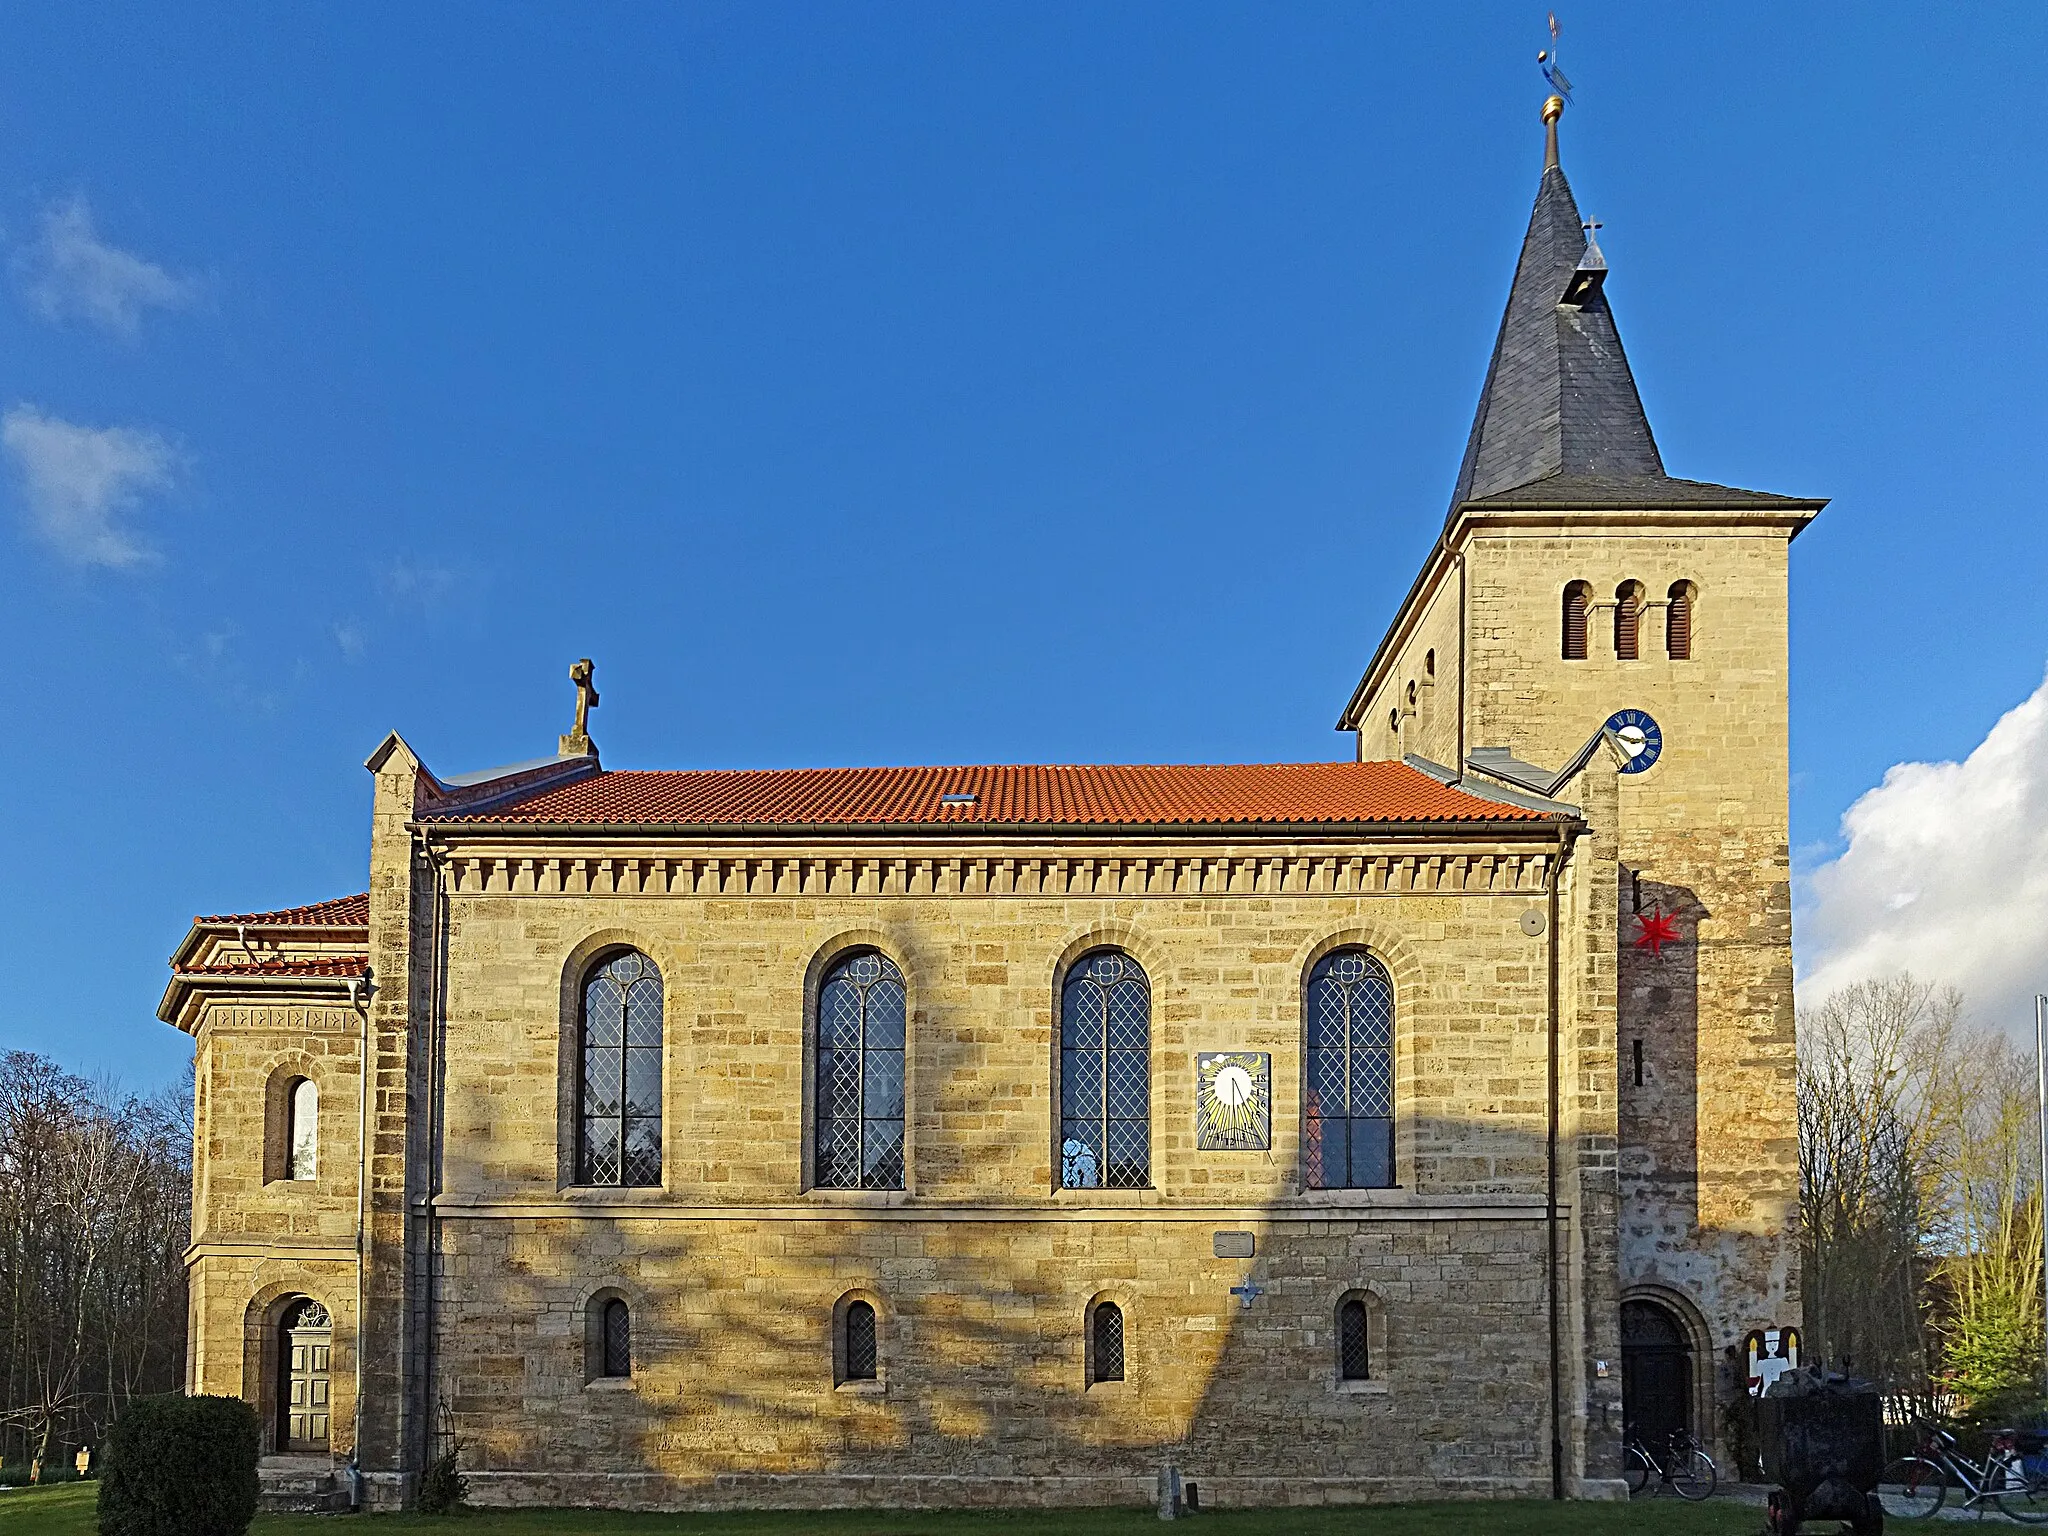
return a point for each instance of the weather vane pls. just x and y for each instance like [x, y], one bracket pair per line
[1552, 72]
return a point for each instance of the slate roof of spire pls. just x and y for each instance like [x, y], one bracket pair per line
[1560, 423]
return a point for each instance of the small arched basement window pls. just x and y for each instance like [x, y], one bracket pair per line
[615, 1341]
[1578, 597]
[1354, 1360]
[861, 1354]
[1108, 1328]
[302, 1129]
[1628, 620]
[1678, 622]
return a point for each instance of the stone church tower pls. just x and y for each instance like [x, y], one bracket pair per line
[1329, 1131]
[1576, 579]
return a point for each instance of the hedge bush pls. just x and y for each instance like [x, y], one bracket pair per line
[180, 1466]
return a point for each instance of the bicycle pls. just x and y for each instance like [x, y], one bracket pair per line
[1685, 1468]
[1914, 1487]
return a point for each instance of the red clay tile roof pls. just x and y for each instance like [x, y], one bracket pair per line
[341, 912]
[1236, 794]
[299, 965]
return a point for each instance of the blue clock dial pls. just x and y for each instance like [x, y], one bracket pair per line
[1639, 737]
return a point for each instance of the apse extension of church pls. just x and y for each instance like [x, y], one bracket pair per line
[1344, 1130]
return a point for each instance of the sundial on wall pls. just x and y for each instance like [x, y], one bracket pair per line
[1639, 736]
[1233, 1101]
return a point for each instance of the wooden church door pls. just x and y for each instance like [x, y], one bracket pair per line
[306, 1348]
[1656, 1373]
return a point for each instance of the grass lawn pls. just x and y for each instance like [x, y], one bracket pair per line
[68, 1511]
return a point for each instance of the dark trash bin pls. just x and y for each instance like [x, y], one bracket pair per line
[1823, 1445]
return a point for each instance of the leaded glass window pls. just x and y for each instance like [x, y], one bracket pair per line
[1353, 1361]
[860, 1074]
[1105, 1074]
[1109, 1341]
[860, 1341]
[1348, 1120]
[617, 1339]
[618, 1112]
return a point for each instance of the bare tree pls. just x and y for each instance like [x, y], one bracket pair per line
[95, 1213]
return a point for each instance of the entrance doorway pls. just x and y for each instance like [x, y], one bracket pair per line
[1656, 1372]
[305, 1341]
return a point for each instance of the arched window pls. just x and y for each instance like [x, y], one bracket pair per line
[1105, 1074]
[1354, 1361]
[1578, 597]
[615, 1341]
[1678, 622]
[1107, 1330]
[859, 1351]
[302, 1129]
[1628, 620]
[1348, 1123]
[859, 1074]
[618, 1090]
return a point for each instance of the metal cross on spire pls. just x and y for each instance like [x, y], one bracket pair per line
[1559, 82]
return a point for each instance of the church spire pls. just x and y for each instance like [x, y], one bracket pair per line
[1559, 402]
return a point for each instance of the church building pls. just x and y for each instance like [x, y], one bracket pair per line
[1382, 1128]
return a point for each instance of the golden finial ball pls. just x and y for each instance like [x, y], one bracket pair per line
[1553, 109]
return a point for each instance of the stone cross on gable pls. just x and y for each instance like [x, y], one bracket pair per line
[577, 743]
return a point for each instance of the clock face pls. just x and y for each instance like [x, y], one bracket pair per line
[1639, 737]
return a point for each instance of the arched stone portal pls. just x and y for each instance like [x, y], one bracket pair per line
[305, 1350]
[1657, 1372]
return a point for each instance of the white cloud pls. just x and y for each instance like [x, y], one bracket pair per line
[77, 482]
[353, 642]
[1945, 875]
[71, 273]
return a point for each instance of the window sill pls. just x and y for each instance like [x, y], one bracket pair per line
[1115, 1388]
[610, 1384]
[613, 1194]
[1367, 1388]
[863, 1388]
[1111, 1199]
[863, 1199]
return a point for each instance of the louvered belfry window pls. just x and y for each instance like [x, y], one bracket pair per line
[1353, 1361]
[1577, 597]
[1105, 1074]
[1348, 1115]
[1678, 622]
[619, 1076]
[860, 1074]
[1628, 620]
[1109, 1341]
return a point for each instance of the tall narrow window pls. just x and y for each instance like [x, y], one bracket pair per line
[1354, 1363]
[1108, 1324]
[302, 1129]
[617, 1339]
[860, 1342]
[618, 1112]
[1578, 597]
[1628, 620]
[859, 1074]
[1678, 622]
[1348, 1120]
[1105, 1074]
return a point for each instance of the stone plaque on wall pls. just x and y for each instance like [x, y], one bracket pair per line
[1233, 1101]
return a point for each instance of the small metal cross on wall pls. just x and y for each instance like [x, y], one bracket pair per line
[1250, 1292]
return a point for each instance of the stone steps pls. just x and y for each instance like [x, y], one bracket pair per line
[300, 1485]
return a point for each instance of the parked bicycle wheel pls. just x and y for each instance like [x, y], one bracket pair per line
[1694, 1475]
[1911, 1488]
[2021, 1494]
[1637, 1468]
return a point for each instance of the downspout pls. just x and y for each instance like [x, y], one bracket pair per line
[1550, 1182]
[437, 1043]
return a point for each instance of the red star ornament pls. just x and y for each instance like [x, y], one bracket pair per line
[1654, 929]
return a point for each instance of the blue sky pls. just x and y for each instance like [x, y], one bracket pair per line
[901, 383]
